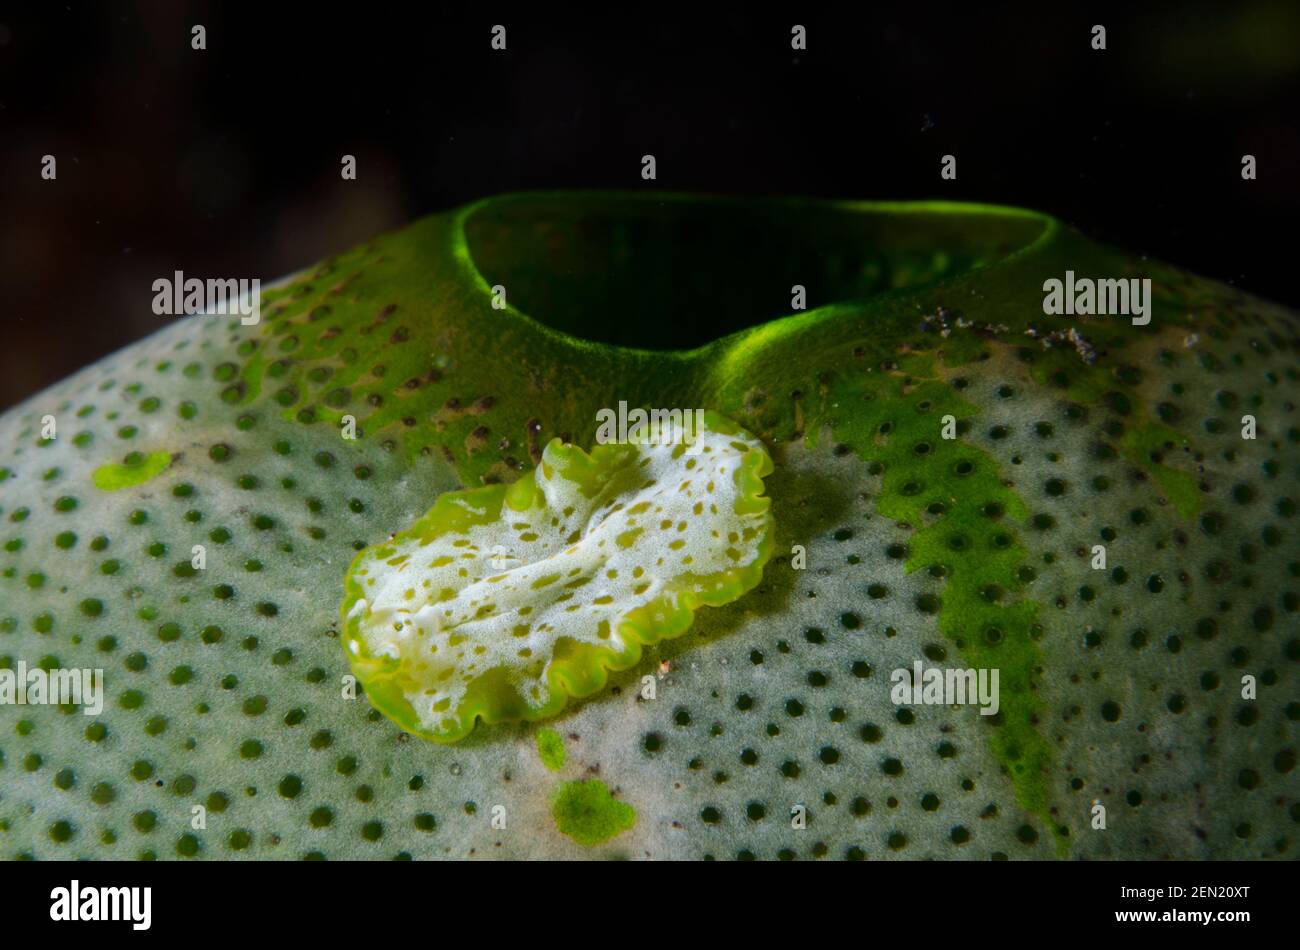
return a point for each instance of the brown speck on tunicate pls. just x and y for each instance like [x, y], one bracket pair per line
[343, 284]
[533, 427]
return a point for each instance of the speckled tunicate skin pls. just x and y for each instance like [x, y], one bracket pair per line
[1120, 687]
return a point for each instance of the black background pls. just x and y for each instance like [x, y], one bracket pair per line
[225, 162]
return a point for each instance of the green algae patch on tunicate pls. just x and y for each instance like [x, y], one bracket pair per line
[1152, 441]
[503, 602]
[135, 470]
[965, 516]
[588, 813]
[1141, 440]
[550, 747]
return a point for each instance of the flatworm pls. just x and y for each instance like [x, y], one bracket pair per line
[503, 602]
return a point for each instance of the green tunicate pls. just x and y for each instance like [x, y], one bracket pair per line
[384, 379]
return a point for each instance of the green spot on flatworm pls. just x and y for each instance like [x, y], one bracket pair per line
[502, 602]
[137, 470]
[550, 746]
[588, 813]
